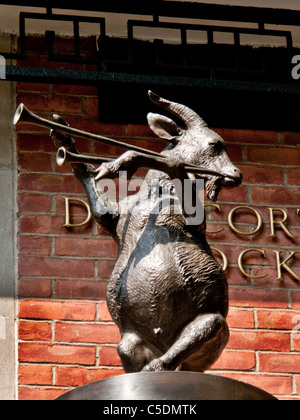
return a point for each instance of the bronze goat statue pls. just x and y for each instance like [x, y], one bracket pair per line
[167, 293]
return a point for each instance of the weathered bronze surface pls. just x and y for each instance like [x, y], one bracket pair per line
[167, 294]
[185, 386]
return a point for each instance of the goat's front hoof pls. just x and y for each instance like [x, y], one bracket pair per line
[155, 366]
[106, 170]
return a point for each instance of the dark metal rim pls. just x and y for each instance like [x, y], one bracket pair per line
[212, 380]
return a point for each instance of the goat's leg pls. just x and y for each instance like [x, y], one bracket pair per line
[135, 353]
[197, 347]
[131, 161]
[104, 211]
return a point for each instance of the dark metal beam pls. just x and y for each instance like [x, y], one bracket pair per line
[85, 78]
[177, 9]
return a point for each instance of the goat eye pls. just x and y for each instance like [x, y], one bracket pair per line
[216, 147]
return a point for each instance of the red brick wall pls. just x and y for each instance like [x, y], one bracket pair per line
[66, 336]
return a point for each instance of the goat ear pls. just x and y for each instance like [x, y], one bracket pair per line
[164, 127]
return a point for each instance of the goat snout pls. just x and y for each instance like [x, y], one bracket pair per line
[233, 178]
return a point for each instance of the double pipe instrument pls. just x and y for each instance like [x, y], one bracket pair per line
[26, 116]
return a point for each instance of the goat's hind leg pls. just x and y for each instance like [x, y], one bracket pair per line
[135, 353]
[197, 347]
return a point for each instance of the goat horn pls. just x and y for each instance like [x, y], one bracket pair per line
[187, 115]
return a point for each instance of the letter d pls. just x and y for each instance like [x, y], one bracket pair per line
[68, 224]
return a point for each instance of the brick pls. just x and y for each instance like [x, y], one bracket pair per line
[87, 246]
[87, 333]
[51, 224]
[105, 268]
[295, 299]
[238, 195]
[35, 331]
[235, 153]
[39, 394]
[34, 203]
[259, 340]
[92, 107]
[47, 309]
[227, 234]
[109, 356]
[274, 384]
[35, 224]
[156, 145]
[140, 130]
[103, 312]
[58, 228]
[33, 87]
[261, 174]
[234, 276]
[77, 376]
[93, 125]
[50, 103]
[298, 384]
[114, 150]
[31, 139]
[235, 360]
[281, 239]
[57, 353]
[49, 183]
[80, 289]
[276, 195]
[282, 363]
[290, 138]
[36, 287]
[296, 337]
[257, 298]
[248, 136]
[293, 176]
[35, 245]
[273, 155]
[34, 141]
[38, 162]
[238, 318]
[53, 267]
[75, 90]
[278, 320]
[35, 375]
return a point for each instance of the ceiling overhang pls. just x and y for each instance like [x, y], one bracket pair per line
[228, 83]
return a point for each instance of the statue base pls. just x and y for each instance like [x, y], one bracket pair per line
[167, 386]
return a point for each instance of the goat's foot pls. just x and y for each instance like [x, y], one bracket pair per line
[107, 170]
[155, 365]
[126, 162]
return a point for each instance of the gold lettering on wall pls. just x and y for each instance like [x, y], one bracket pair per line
[240, 262]
[258, 217]
[218, 207]
[224, 258]
[283, 264]
[280, 223]
[68, 223]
